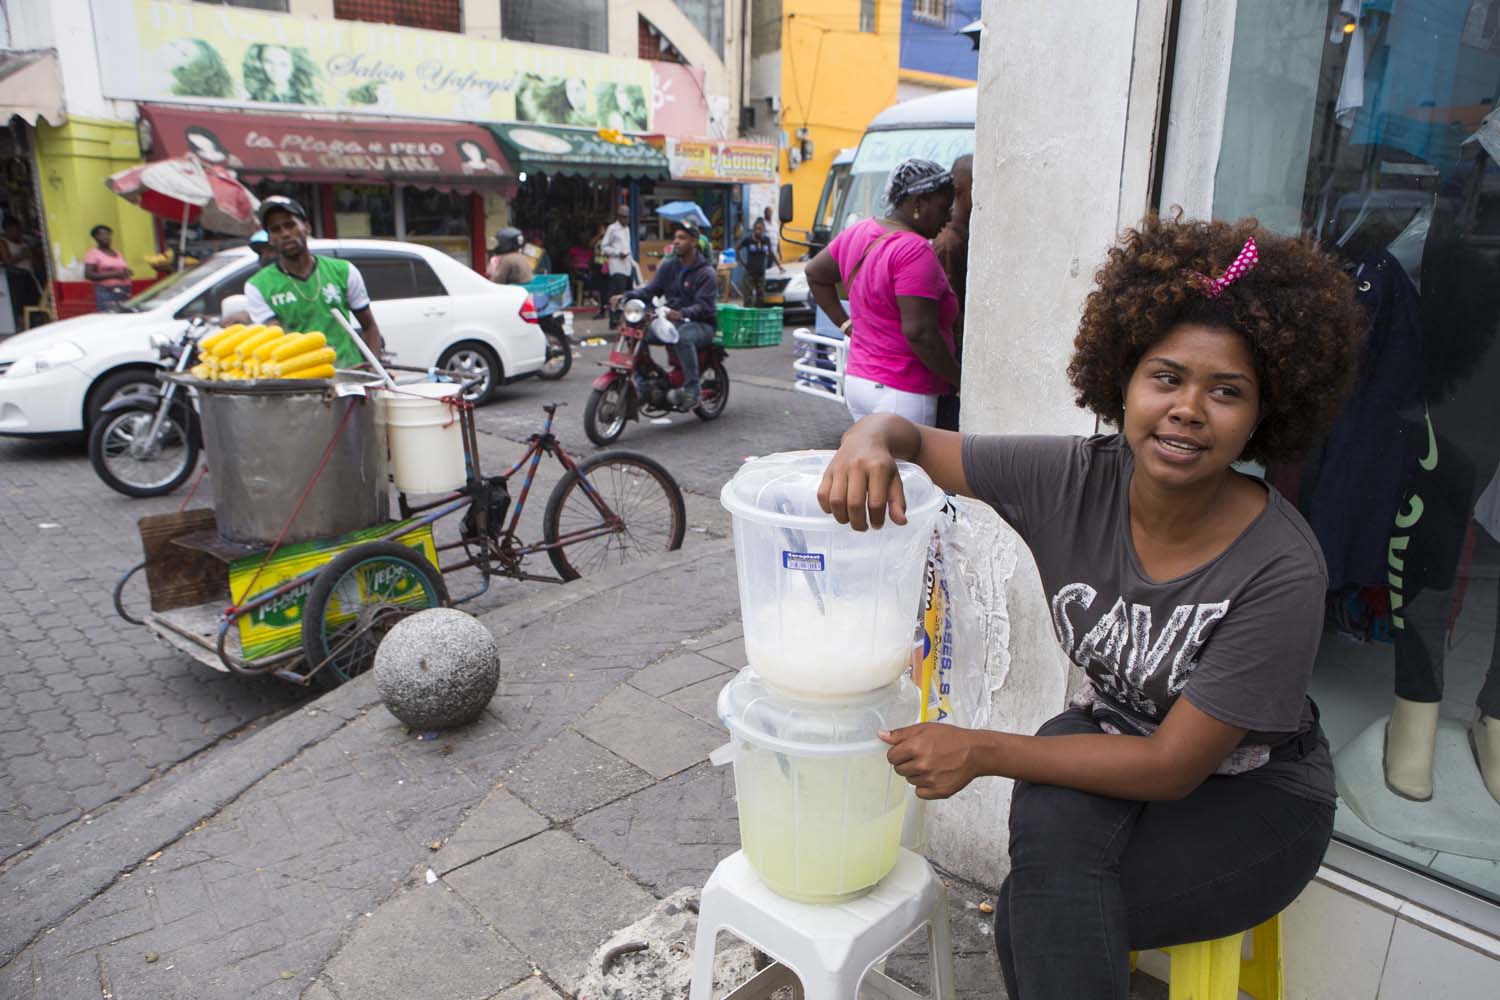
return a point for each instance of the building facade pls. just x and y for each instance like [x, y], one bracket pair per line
[1364, 125]
[436, 122]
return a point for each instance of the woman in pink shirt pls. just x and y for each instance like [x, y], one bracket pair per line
[107, 269]
[901, 356]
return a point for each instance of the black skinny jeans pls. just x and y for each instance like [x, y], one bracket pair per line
[1093, 878]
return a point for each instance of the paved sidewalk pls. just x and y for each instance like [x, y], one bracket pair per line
[336, 856]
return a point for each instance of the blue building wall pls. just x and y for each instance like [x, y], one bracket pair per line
[934, 48]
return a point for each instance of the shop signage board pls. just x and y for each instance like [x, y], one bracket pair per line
[267, 145]
[574, 151]
[277, 625]
[210, 54]
[713, 160]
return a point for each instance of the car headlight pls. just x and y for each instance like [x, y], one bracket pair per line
[797, 286]
[54, 356]
[634, 311]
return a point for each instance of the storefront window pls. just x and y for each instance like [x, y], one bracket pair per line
[1368, 126]
[574, 24]
[438, 219]
[364, 210]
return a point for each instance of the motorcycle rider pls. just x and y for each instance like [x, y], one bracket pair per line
[508, 265]
[690, 285]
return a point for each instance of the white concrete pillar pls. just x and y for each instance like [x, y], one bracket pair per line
[1066, 131]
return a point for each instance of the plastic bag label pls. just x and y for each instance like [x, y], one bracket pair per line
[807, 562]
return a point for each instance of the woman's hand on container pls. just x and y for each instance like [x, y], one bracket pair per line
[862, 481]
[936, 758]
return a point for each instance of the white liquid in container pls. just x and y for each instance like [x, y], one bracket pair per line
[846, 648]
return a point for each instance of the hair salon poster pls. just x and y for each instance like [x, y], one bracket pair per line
[218, 55]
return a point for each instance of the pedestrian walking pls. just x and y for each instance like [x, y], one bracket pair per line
[107, 268]
[619, 258]
[901, 308]
[1188, 793]
[952, 249]
[756, 253]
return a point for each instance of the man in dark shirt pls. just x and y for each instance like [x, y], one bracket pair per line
[755, 252]
[952, 249]
[690, 286]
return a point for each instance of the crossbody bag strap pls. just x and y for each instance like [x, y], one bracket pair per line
[843, 287]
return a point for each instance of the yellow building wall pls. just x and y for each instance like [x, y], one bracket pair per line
[834, 79]
[73, 161]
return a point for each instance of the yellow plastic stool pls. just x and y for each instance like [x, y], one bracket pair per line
[1214, 970]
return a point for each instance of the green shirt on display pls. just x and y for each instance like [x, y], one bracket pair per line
[306, 305]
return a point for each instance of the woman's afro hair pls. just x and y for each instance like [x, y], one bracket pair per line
[1296, 309]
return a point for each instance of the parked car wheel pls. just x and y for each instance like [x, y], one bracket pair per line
[117, 385]
[470, 359]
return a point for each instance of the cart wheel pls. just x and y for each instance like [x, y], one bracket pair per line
[637, 489]
[355, 601]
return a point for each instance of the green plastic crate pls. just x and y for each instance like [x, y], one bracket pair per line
[742, 327]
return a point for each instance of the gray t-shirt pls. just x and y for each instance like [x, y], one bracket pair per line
[1237, 636]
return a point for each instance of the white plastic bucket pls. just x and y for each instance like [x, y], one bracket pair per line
[425, 435]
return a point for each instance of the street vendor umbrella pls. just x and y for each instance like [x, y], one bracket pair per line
[183, 188]
[679, 211]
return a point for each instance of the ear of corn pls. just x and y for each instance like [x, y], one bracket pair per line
[308, 359]
[317, 371]
[298, 343]
[246, 348]
[263, 352]
[225, 348]
[208, 342]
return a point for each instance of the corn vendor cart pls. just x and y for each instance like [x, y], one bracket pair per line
[298, 569]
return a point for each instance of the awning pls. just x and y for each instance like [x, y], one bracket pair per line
[327, 148]
[31, 86]
[552, 150]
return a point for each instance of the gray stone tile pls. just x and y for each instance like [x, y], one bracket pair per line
[731, 654]
[670, 835]
[569, 775]
[496, 823]
[678, 672]
[652, 735]
[424, 943]
[700, 700]
[553, 898]
[529, 989]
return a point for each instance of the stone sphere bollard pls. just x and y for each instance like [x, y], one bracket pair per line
[437, 669]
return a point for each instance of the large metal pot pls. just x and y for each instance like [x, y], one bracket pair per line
[263, 442]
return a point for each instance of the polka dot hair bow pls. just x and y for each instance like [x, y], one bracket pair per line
[1248, 258]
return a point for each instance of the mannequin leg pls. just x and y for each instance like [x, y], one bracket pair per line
[1411, 734]
[1484, 737]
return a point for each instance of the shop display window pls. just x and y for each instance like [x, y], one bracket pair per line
[364, 210]
[438, 219]
[1369, 126]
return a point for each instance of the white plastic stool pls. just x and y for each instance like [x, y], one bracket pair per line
[829, 948]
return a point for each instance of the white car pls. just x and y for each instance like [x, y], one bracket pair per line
[432, 311]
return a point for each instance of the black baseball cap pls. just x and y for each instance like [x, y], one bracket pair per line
[281, 203]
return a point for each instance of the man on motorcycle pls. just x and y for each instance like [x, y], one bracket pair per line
[690, 286]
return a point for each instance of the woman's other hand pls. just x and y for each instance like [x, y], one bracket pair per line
[862, 481]
[936, 758]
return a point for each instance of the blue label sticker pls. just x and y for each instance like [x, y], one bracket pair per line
[808, 562]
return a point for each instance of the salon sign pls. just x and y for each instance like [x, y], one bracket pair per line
[712, 160]
[210, 54]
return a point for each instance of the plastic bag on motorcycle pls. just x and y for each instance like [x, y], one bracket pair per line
[663, 329]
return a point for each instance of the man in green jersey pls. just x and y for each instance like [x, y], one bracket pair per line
[300, 290]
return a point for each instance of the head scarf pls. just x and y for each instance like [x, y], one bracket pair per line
[915, 176]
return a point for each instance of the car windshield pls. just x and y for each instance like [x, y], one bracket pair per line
[191, 280]
[880, 151]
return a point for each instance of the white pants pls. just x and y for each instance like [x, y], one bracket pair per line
[864, 397]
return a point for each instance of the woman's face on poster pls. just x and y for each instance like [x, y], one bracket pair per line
[277, 62]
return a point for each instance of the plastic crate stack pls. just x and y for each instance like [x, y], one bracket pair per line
[742, 327]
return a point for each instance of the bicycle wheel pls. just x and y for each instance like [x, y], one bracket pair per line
[127, 465]
[635, 488]
[356, 600]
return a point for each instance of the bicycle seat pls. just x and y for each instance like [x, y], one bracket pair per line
[551, 408]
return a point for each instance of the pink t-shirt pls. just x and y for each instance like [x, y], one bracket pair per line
[111, 263]
[902, 264]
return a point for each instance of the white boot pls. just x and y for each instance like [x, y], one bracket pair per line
[1484, 737]
[1410, 738]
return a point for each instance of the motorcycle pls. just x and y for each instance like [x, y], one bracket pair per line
[636, 386]
[556, 324]
[147, 444]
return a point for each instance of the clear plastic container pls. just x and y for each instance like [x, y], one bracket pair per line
[821, 810]
[828, 611]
